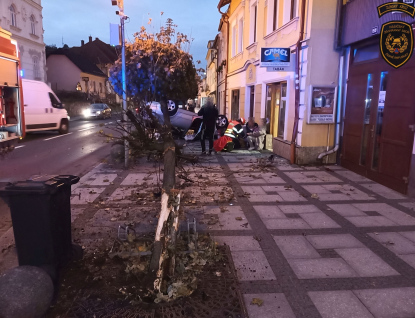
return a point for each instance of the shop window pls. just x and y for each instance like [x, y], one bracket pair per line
[282, 111]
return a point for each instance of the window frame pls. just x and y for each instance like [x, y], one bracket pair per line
[36, 68]
[240, 34]
[253, 22]
[13, 15]
[33, 24]
[275, 16]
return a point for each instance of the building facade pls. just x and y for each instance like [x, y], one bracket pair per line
[255, 91]
[23, 18]
[211, 70]
[221, 46]
[379, 108]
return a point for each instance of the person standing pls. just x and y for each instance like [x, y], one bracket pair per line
[210, 114]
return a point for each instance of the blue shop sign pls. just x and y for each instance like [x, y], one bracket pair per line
[275, 56]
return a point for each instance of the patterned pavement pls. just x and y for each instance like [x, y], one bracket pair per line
[307, 241]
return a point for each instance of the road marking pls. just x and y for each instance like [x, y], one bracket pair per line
[19, 146]
[58, 136]
[86, 128]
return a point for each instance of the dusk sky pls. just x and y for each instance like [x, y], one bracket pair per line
[76, 20]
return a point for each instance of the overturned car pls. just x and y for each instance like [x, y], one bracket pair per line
[187, 123]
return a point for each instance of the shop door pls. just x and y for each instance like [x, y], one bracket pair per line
[377, 140]
[235, 105]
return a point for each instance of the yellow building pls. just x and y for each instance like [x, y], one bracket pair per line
[260, 92]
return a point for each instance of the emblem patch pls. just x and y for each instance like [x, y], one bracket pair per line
[396, 43]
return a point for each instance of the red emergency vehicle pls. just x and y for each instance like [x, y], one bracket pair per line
[12, 127]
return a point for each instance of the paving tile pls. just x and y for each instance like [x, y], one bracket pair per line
[339, 304]
[101, 179]
[346, 210]
[367, 221]
[278, 224]
[264, 198]
[252, 265]
[334, 197]
[253, 189]
[334, 167]
[408, 235]
[274, 305]
[317, 189]
[334, 241]
[75, 212]
[296, 247]
[395, 242]
[312, 177]
[387, 211]
[321, 268]
[226, 220]
[122, 195]
[269, 212]
[383, 191]
[85, 195]
[353, 176]
[239, 243]
[389, 302]
[319, 220]
[140, 178]
[291, 196]
[306, 208]
[409, 205]
[255, 177]
[365, 262]
[409, 258]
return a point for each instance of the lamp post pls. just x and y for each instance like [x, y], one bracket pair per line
[123, 17]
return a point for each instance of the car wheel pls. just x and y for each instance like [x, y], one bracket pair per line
[172, 108]
[64, 127]
[222, 122]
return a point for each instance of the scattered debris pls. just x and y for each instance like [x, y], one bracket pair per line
[257, 301]
[314, 196]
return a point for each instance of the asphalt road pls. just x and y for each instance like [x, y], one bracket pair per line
[48, 153]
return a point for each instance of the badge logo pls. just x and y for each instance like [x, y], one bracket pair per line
[396, 43]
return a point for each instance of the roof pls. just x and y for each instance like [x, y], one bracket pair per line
[82, 62]
[97, 51]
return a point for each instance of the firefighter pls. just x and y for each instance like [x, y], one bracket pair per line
[230, 140]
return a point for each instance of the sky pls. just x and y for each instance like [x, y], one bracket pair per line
[76, 20]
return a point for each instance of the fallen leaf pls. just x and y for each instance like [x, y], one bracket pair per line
[314, 196]
[238, 218]
[257, 301]
[113, 219]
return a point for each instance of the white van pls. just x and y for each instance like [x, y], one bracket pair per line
[42, 109]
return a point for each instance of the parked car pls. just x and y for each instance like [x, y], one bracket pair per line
[97, 111]
[42, 108]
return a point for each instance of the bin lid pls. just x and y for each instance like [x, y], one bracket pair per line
[38, 185]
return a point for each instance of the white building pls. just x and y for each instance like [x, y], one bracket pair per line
[23, 18]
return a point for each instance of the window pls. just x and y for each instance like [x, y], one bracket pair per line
[253, 23]
[13, 15]
[33, 25]
[240, 35]
[234, 40]
[36, 68]
[100, 87]
[293, 13]
[55, 102]
[281, 115]
[366, 119]
[275, 16]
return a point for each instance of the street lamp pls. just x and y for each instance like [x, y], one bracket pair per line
[123, 17]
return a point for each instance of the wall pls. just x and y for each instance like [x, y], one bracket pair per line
[94, 79]
[30, 45]
[62, 73]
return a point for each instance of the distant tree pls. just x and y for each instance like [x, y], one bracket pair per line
[158, 66]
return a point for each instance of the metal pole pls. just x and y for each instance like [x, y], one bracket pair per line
[124, 89]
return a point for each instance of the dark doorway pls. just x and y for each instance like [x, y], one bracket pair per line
[251, 101]
[235, 105]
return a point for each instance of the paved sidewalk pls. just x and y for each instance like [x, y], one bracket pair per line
[307, 241]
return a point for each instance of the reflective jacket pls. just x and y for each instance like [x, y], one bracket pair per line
[234, 129]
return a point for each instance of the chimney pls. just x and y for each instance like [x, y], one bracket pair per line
[90, 38]
[96, 39]
[82, 42]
